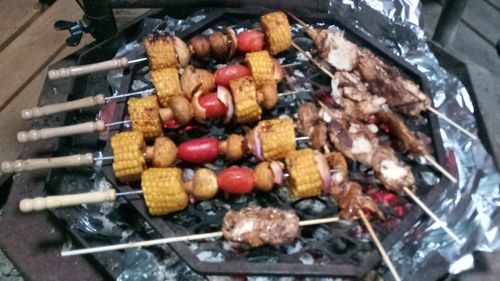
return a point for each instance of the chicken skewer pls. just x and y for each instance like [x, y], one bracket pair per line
[382, 79]
[169, 51]
[262, 222]
[384, 171]
[426, 156]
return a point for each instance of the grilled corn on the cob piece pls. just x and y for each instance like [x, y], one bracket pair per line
[145, 116]
[163, 190]
[128, 159]
[278, 32]
[262, 67]
[277, 137]
[305, 179]
[246, 108]
[161, 51]
[166, 83]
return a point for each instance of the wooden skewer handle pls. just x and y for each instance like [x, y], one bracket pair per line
[47, 163]
[50, 109]
[53, 202]
[47, 133]
[86, 69]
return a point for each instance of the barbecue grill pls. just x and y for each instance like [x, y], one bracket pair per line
[340, 250]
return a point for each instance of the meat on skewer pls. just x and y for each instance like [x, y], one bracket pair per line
[256, 226]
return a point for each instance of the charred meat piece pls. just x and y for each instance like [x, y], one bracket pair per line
[336, 161]
[387, 81]
[335, 49]
[318, 135]
[351, 200]
[393, 174]
[256, 226]
[400, 131]
[307, 117]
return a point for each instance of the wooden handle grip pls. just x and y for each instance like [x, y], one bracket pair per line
[86, 69]
[47, 133]
[46, 110]
[53, 202]
[47, 163]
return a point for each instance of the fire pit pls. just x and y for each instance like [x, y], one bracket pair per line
[340, 250]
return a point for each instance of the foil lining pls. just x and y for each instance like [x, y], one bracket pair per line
[471, 210]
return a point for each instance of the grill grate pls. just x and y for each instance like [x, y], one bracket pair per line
[340, 249]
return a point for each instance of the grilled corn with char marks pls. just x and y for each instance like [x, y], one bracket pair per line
[163, 190]
[277, 137]
[262, 68]
[305, 179]
[167, 84]
[128, 158]
[145, 116]
[160, 49]
[278, 32]
[246, 108]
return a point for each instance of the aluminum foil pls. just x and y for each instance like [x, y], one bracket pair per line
[471, 210]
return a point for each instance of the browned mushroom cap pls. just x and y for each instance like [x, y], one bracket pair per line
[218, 45]
[233, 147]
[199, 46]
[268, 96]
[198, 111]
[264, 177]
[204, 184]
[164, 152]
[183, 54]
[190, 81]
[233, 47]
[181, 107]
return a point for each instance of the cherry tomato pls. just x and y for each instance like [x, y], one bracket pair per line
[236, 180]
[213, 106]
[225, 74]
[199, 151]
[251, 41]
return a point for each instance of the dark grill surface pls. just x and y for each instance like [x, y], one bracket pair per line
[340, 249]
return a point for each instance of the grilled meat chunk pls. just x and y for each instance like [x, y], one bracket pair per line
[256, 226]
[336, 161]
[334, 48]
[318, 135]
[307, 117]
[351, 200]
[393, 174]
[400, 131]
[387, 81]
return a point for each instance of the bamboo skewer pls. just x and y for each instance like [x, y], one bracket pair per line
[174, 239]
[379, 245]
[429, 107]
[433, 216]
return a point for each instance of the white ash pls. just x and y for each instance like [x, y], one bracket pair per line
[210, 256]
[298, 73]
[294, 248]
[306, 258]
[321, 233]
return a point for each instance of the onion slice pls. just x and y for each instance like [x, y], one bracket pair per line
[257, 148]
[182, 50]
[225, 97]
[233, 47]
[277, 169]
[324, 171]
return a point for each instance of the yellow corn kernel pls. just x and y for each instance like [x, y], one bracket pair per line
[163, 190]
[128, 159]
[304, 179]
[277, 138]
[246, 108]
[262, 67]
[278, 32]
[166, 83]
[161, 51]
[145, 116]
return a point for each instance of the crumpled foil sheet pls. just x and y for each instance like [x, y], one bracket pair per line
[471, 210]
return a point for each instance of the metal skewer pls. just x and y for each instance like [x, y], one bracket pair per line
[174, 239]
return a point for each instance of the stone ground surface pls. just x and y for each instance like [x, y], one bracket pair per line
[7, 271]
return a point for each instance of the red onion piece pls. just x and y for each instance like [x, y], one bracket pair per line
[224, 95]
[257, 148]
[324, 171]
[277, 172]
